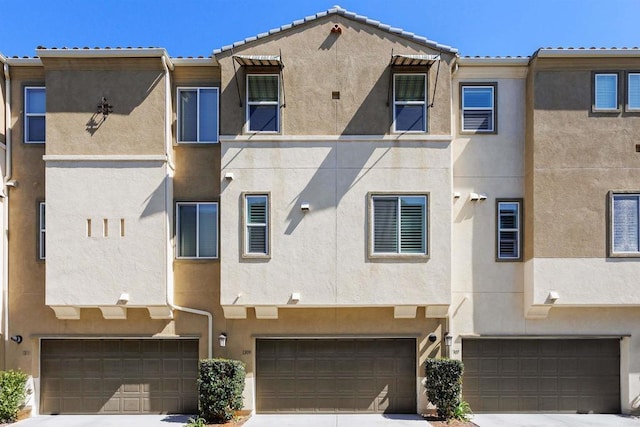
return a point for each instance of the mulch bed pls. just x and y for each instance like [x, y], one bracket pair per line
[439, 422]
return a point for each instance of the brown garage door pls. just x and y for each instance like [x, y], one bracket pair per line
[118, 376]
[336, 375]
[542, 375]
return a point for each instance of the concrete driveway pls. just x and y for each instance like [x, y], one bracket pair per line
[336, 420]
[554, 420]
[104, 421]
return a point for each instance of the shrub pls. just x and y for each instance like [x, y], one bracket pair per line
[220, 387]
[444, 385]
[12, 394]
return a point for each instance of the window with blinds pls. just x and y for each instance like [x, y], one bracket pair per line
[34, 114]
[605, 91]
[197, 230]
[509, 230]
[625, 238]
[410, 102]
[42, 231]
[633, 91]
[263, 102]
[399, 225]
[478, 108]
[256, 241]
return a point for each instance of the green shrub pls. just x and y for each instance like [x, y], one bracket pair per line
[12, 394]
[196, 422]
[444, 385]
[463, 411]
[220, 387]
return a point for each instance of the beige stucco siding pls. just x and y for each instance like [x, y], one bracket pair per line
[318, 62]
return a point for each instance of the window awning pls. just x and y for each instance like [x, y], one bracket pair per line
[259, 60]
[419, 60]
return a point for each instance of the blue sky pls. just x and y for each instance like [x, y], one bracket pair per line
[196, 27]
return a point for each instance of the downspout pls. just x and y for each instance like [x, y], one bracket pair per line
[5, 205]
[169, 208]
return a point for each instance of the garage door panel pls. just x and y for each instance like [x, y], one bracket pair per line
[112, 378]
[552, 375]
[335, 375]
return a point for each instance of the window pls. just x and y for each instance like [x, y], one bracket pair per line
[41, 231]
[624, 216]
[605, 91]
[399, 225]
[256, 218]
[34, 114]
[197, 230]
[633, 91]
[509, 228]
[478, 108]
[263, 102]
[198, 114]
[410, 102]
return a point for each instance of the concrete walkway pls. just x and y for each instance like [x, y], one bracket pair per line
[333, 420]
[554, 420]
[104, 421]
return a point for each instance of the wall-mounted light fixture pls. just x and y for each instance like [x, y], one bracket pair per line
[228, 176]
[222, 339]
[304, 206]
[104, 108]
[16, 339]
[448, 339]
[432, 337]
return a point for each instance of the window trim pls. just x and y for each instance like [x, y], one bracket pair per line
[250, 103]
[627, 92]
[245, 225]
[519, 230]
[494, 109]
[26, 115]
[179, 89]
[42, 223]
[424, 104]
[177, 233]
[611, 253]
[594, 76]
[371, 223]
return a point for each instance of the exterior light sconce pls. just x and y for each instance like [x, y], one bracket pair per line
[228, 176]
[474, 197]
[432, 337]
[104, 108]
[304, 207]
[222, 339]
[336, 29]
[448, 339]
[16, 339]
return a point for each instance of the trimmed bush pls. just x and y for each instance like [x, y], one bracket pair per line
[444, 385]
[220, 387]
[12, 394]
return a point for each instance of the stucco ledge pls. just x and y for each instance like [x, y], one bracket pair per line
[436, 311]
[537, 311]
[66, 312]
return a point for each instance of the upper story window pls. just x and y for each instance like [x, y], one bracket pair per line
[41, 231]
[509, 230]
[263, 103]
[398, 225]
[478, 108]
[197, 230]
[410, 102]
[34, 114]
[624, 227]
[256, 225]
[605, 92]
[198, 114]
[633, 91]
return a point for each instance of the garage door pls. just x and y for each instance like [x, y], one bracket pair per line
[114, 376]
[542, 375]
[336, 375]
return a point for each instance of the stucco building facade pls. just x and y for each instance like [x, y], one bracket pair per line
[335, 200]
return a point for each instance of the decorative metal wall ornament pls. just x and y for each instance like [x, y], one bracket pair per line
[104, 108]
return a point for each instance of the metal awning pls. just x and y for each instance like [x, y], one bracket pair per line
[419, 60]
[259, 60]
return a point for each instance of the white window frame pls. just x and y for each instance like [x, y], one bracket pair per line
[423, 103]
[198, 89]
[42, 222]
[197, 236]
[247, 225]
[611, 231]
[250, 103]
[398, 197]
[28, 115]
[595, 92]
[492, 108]
[518, 230]
[629, 107]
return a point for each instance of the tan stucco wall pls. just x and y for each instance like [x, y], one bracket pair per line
[134, 87]
[316, 63]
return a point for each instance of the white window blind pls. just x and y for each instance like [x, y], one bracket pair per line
[634, 91]
[399, 224]
[478, 108]
[606, 91]
[256, 218]
[625, 223]
[508, 230]
[410, 102]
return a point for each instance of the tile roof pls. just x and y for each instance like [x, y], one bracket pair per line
[337, 10]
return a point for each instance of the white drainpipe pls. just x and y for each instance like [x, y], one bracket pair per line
[169, 208]
[5, 204]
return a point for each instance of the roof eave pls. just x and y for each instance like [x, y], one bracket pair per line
[494, 62]
[104, 53]
[587, 53]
